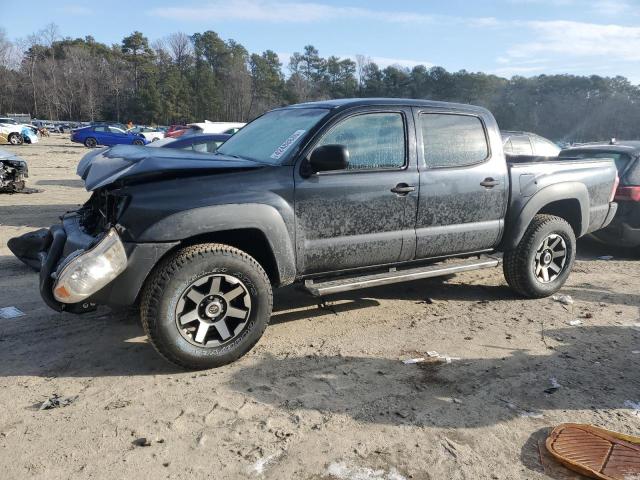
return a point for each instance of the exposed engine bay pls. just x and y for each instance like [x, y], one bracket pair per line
[13, 172]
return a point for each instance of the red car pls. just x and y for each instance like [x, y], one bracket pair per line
[176, 131]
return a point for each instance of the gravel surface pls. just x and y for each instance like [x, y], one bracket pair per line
[325, 394]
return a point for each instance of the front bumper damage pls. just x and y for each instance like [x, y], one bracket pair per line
[48, 251]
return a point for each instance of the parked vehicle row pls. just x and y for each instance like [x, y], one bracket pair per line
[334, 195]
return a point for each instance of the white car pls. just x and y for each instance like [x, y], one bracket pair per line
[11, 133]
[216, 127]
[151, 134]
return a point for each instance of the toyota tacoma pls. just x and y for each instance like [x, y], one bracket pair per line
[334, 195]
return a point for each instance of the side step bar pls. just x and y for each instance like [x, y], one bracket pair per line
[345, 284]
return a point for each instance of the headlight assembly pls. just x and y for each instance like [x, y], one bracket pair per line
[90, 271]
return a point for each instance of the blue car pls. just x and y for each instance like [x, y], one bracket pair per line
[108, 135]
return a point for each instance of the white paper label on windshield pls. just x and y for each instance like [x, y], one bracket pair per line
[286, 144]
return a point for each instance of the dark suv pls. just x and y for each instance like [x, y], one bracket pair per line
[624, 230]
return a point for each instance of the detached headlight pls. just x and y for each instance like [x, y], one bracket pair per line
[90, 271]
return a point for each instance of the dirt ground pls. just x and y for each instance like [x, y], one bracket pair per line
[325, 394]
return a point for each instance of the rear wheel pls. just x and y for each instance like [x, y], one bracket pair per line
[206, 306]
[541, 263]
[90, 142]
[15, 138]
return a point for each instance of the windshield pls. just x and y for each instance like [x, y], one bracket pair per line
[273, 137]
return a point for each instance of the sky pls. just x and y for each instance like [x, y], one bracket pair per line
[504, 37]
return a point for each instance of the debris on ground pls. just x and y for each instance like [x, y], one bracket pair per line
[411, 361]
[635, 352]
[606, 257]
[555, 386]
[563, 299]
[11, 312]
[444, 358]
[56, 401]
[635, 406]
[342, 471]
[575, 323]
[263, 462]
[117, 404]
[595, 452]
[521, 411]
[142, 442]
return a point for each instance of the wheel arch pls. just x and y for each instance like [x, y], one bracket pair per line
[568, 200]
[256, 229]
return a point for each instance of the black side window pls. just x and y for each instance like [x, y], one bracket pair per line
[451, 140]
[374, 140]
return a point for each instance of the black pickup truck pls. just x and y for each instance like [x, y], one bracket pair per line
[335, 195]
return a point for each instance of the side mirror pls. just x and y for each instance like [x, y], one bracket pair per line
[328, 158]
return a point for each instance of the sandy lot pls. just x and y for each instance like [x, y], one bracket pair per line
[324, 395]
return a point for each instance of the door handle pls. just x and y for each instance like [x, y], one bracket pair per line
[403, 189]
[489, 182]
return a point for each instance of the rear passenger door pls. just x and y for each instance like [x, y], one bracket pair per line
[463, 184]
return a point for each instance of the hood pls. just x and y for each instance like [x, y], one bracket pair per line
[108, 165]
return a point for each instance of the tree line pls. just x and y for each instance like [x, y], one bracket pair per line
[186, 78]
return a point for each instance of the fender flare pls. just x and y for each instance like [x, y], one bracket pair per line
[519, 220]
[228, 217]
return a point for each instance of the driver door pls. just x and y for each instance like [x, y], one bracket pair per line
[364, 215]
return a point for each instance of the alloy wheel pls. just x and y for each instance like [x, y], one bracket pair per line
[550, 258]
[213, 310]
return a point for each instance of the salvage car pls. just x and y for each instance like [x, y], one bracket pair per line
[624, 230]
[11, 133]
[205, 143]
[334, 195]
[13, 172]
[108, 135]
[529, 144]
[151, 134]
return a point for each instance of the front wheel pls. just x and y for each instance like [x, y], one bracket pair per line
[541, 263]
[90, 142]
[206, 306]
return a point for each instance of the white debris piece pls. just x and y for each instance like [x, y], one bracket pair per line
[606, 257]
[410, 361]
[11, 312]
[575, 323]
[635, 352]
[439, 356]
[342, 471]
[563, 299]
[261, 463]
[635, 406]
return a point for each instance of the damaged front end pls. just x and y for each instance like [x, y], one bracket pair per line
[78, 257]
[13, 172]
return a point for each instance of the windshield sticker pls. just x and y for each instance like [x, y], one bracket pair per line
[287, 143]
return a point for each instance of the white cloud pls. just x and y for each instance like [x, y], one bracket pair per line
[78, 10]
[384, 62]
[578, 39]
[276, 11]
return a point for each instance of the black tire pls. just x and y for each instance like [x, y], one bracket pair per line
[15, 138]
[90, 142]
[138, 142]
[521, 265]
[176, 275]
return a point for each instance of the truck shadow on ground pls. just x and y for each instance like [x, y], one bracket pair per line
[594, 365]
[590, 249]
[74, 183]
[111, 343]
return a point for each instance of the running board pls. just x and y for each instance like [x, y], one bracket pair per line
[345, 284]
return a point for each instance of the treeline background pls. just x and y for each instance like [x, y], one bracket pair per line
[185, 78]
